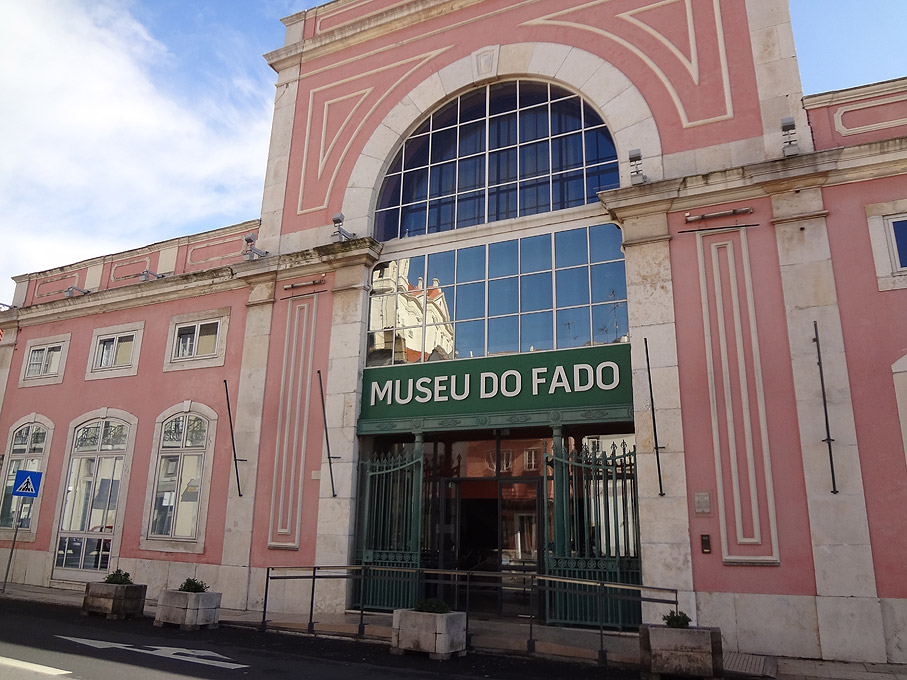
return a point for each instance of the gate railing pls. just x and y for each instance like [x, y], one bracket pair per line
[391, 526]
[593, 515]
[457, 588]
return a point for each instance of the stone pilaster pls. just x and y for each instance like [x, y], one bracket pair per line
[849, 613]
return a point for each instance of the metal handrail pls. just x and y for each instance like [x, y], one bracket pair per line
[656, 595]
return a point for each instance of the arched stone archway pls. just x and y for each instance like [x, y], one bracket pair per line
[603, 85]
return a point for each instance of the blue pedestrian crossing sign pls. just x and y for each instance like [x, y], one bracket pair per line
[27, 483]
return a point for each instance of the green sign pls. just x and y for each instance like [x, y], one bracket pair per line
[583, 377]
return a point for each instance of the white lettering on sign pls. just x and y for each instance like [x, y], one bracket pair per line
[509, 384]
[422, 387]
[453, 388]
[409, 392]
[382, 393]
[517, 383]
[559, 381]
[440, 387]
[488, 385]
[599, 375]
[538, 377]
[578, 385]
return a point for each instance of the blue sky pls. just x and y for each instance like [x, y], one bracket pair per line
[126, 122]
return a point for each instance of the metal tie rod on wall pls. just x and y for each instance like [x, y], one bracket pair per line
[661, 491]
[828, 439]
[327, 440]
[233, 440]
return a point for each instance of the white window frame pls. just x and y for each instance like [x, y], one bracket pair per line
[896, 267]
[104, 413]
[194, 546]
[533, 456]
[95, 372]
[173, 362]
[880, 217]
[26, 535]
[45, 343]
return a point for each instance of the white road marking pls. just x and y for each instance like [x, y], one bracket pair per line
[201, 656]
[34, 667]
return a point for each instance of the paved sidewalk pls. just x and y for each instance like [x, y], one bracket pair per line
[622, 649]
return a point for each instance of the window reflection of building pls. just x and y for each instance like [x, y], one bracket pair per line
[408, 322]
[92, 491]
[551, 291]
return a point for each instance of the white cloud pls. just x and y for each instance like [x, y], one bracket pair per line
[99, 153]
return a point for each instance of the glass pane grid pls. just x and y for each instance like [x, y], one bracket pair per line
[516, 148]
[550, 291]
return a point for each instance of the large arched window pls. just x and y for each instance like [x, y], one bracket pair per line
[501, 151]
[178, 481]
[88, 517]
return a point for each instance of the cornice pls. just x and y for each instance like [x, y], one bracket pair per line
[131, 296]
[855, 94]
[364, 250]
[142, 250]
[826, 168]
[363, 30]
[358, 252]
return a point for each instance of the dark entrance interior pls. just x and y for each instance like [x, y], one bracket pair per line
[482, 495]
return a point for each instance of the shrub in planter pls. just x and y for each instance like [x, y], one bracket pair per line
[430, 627]
[117, 597]
[677, 648]
[190, 606]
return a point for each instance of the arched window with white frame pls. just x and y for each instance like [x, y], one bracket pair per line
[180, 478]
[89, 525]
[27, 448]
[174, 512]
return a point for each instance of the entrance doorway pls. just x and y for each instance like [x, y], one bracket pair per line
[482, 495]
[503, 507]
[494, 535]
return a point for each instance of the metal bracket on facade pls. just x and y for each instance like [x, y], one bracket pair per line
[828, 438]
[327, 440]
[236, 460]
[661, 491]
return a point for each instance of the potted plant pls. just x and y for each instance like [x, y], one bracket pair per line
[676, 648]
[430, 627]
[190, 606]
[116, 596]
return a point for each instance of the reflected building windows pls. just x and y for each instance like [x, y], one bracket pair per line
[551, 291]
[177, 486]
[89, 513]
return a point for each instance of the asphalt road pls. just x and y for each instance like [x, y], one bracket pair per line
[40, 641]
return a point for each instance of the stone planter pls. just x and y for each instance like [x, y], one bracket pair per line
[439, 635]
[690, 651]
[189, 611]
[114, 600]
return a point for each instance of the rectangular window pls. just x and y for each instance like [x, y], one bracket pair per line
[115, 352]
[196, 340]
[531, 460]
[898, 226]
[44, 361]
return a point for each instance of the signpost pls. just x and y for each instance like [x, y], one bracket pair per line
[26, 485]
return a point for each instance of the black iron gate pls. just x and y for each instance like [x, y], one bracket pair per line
[390, 520]
[592, 522]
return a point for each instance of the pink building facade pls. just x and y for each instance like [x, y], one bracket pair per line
[498, 239]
